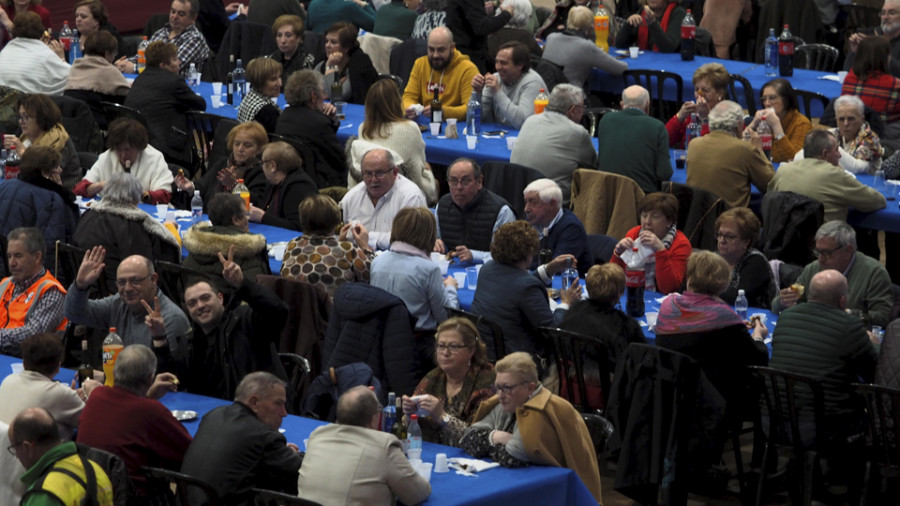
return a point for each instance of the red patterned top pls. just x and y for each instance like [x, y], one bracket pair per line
[879, 91]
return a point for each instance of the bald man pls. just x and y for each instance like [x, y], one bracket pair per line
[444, 69]
[634, 144]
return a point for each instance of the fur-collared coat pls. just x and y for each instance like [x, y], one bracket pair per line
[204, 241]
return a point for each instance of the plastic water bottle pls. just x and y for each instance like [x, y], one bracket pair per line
[239, 77]
[473, 115]
[389, 414]
[414, 438]
[693, 130]
[65, 37]
[740, 305]
[196, 208]
[142, 55]
[112, 345]
[75, 49]
[785, 53]
[771, 54]
[765, 136]
[601, 27]
[194, 78]
[688, 34]
[569, 275]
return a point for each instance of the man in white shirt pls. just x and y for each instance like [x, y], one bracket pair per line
[370, 206]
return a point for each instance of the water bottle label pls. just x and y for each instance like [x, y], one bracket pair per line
[688, 32]
[786, 48]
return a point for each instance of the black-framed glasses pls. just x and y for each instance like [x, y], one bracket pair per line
[121, 283]
[825, 252]
[507, 389]
[453, 347]
[12, 448]
[466, 181]
[23, 117]
[379, 174]
[726, 237]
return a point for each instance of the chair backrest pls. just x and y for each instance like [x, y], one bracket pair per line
[114, 466]
[509, 181]
[79, 122]
[806, 100]
[201, 134]
[183, 485]
[114, 111]
[404, 55]
[749, 97]
[605, 203]
[397, 79]
[220, 147]
[297, 369]
[379, 47]
[173, 278]
[697, 213]
[551, 73]
[791, 223]
[883, 408]
[786, 397]
[68, 260]
[820, 57]
[578, 356]
[592, 116]
[654, 81]
[273, 498]
[155, 22]
[497, 350]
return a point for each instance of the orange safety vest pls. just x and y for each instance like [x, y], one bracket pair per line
[14, 311]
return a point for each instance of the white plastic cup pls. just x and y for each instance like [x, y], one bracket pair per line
[435, 129]
[424, 470]
[414, 456]
[471, 141]
[511, 142]
[17, 367]
[216, 101]
[471, 277]
[161, 210]
[217, 88]
[633, 51]
[460, 279]
[441, 465]
[306, 445]
[652, 316]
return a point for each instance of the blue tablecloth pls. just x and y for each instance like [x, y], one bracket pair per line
[535, 485]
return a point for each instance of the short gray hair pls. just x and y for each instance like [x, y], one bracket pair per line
[256, 383]
[122, 188]
[564, 96]
[850, 100]
[135, 367]
[816, 141]
[31, 237]
[384, 153]
[547, 190]
[638, 97]
[726, 116]
[522, 10]
[301, 85]
[842, 233]
[356, 406]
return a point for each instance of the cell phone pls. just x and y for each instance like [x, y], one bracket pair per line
[495, 132]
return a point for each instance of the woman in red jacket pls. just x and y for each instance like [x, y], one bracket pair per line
[710, 86]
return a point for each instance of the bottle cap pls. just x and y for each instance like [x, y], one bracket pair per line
[112, 330]
[414, 417]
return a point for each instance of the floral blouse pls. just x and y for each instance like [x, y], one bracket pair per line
[477, 387]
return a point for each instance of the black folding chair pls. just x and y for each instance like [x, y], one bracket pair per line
[273, 498]
[747, 91]
[297, 369]
[654, 81]
[806, 99]
[397, 79]
[114, 111]
[883, 408]
[201, 134]
[578, 356]
[820, 57]
[182, 483]
[499, 348]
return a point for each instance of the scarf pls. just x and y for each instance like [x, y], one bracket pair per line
[55, 138]
[650, 262]
[408, 249]
[865, 146]
[694, 313]
[644, 31]
[95, 73]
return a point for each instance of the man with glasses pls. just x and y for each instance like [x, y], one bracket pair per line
[889, 28]
[869, 284]
[468, 216]
[371, 205]
[134, 310]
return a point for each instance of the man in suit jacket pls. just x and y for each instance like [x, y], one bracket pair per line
[560, 230]
[352, 462]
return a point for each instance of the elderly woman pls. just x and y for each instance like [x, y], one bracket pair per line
[859, 145]
[512, 250]
[516, 29]
[435, 15]
[321, 257]
[789, 127]
[312, 121]
[669, 248]
[386, 126]
[130, 151]
[870, 79]
[450, 394]
[41, 122]
[347, 64]
[28, 64]
[245, 142]
[90, 18]
[9, 9]
[94, 79]
[264, 76]
[698, 324]
[228, 229]
[116, 223]
[576, 51]
[710, 86]
[286, 186]
[36, 198]
[524, 423]
[737, 230]
[656, 28]
[288, 32]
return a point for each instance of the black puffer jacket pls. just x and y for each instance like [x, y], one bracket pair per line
[370, 325]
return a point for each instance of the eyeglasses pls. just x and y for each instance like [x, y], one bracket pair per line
[466, 181]
[453, 347]
[268, 162]
[770, 98]
[375, 175]
[726, 237]
[825, 252]
[23, 118]
[507, 389]
[12, 448]
[121, 283]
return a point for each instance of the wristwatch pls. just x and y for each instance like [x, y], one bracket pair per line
[778, 137]
[445, 419]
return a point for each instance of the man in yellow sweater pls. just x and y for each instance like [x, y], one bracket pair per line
[444, 69]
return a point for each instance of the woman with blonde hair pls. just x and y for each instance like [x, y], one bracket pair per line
[710, 82]
[264, 76]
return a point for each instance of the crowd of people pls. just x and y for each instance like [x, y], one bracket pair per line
[370, 216]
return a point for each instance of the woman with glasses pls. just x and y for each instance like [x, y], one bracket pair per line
[524, 424]
[789, 127]
[448, 396]
[737, 230]
[386, 126]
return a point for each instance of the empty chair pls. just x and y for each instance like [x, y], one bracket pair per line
[883, 406]
[114, 111]
[395, 78]
[820, 57]
[582, 364]
[811, 104]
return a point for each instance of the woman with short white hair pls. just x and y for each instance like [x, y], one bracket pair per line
[858, 144]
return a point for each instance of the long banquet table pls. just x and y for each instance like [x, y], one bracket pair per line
[535, 485]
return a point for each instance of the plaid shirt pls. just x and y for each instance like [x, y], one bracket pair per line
[880, 91]
[44, 316]
[192, 47]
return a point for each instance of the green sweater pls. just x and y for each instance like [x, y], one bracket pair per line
[635, 145]
[395, 20]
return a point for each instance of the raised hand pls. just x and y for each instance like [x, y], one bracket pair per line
[91, 267]
[154, 319]
[231, 271]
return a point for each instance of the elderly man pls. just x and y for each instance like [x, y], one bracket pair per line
[554, 142]
[352, 462]
[234, 340]
[373, 203]
[889, 29]
[723, 164]
[869, 283]
[561, 232]
[818, 176]
[508, 94]
[468, 216]
[133, 309]
[634, 144]
[28, 64]
[32, 299]
[238, 446]
[56, 473]
[42, 355]
[181, 31]
[443, 70]
[129, 421]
